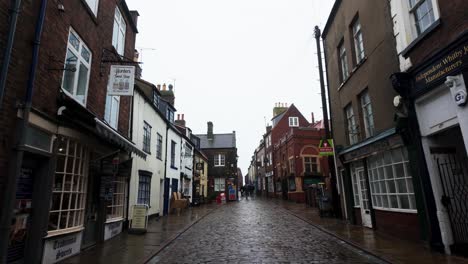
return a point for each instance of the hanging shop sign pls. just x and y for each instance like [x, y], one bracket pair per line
[326, 147]
[121, 80]
[199, 166]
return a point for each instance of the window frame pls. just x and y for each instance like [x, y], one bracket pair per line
[351, 125]
[79, 172]
[95, 8]
[413, 10]
[146, 137]
[144, 189]
[343, 62]
[119, 21]
[311, 163]
[293, 121]
[358, 41]
[159, 142]
[113, 111]
[117, 203]
[80, 61]
[219, 184]
[219, 160]
[368, 118]
[173, 154]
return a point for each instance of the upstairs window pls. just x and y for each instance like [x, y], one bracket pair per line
[156, 99]
[351, 124]
[118, 35]
[77, 68]
[219, 160]
[343, 62]
[146, 138]
[293, 121]
[159, 147]
[423, 14]
[367, 114]
[311, 165]
[93, 5]
[358, 42]
[170, 115]
[173, 153]
[111, 114]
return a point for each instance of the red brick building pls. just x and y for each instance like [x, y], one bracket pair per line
[64, 141]
[296, 161]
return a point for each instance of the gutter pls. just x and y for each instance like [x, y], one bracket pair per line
[9, 46]
[16, 163]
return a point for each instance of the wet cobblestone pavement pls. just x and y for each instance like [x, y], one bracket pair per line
[258, 231]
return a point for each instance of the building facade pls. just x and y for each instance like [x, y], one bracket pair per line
[432, 44]
[69, 143]
[380, 188]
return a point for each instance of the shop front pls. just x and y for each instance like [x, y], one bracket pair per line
[381, 184]
[438, 96]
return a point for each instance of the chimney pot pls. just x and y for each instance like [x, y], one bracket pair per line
[313, 118]
[159, 87]
[183, 117]
[178, 116]
[164, 87]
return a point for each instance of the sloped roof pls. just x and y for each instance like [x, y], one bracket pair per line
[219, 141]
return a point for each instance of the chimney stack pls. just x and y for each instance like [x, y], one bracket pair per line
[180, 120]
[210, 130]
[313, 118]
[168, 95]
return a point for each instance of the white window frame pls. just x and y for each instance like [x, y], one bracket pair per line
[293, 121]
[313, 160]
[72, 164]
[117, 203]
[118, 33]
[173, 153]
[353, 133]
[111, 112]
[355, 182]
[413, 14]
[219, 184]
[78, 53]
[358, 41]
[146, 137]
[367, 114]
[159, 140]
[343, 59]
[384, 187]
[93, 5]
[219, 160]
[144, 189]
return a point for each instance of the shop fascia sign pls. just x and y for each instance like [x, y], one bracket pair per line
[121, 80]
[326, 147]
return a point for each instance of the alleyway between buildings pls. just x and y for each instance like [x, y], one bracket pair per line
[257, 231]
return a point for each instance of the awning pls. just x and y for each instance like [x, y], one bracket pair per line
[115, 138]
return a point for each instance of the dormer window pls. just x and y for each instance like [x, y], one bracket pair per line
[156, 99]
[170, 115]
[293, 121]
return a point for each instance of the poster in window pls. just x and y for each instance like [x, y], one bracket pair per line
[121, 80]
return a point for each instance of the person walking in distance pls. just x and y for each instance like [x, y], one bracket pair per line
[251, 189]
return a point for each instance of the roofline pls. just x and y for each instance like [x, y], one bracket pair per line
[331, 18]
[129, 15]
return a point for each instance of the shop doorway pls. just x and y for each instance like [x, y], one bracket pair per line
[452, 165]
[90, 233]
[360, 183]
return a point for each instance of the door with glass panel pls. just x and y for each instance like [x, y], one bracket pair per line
[361, 198]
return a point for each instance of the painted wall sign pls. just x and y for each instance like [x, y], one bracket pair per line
[62, 247]
[112, 229]
[326, 147]
[447, 63]
[121, 80]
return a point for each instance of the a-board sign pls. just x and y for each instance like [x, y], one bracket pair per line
[139, 219]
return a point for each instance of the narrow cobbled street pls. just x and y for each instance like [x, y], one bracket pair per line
[258, 231]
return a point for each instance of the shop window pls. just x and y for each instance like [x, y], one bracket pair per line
[144, 188]
[292, 184]
[77, 68]
[367, 114]
[219, 160]
[311, 165]
[118, 35]
[146, 137]
[219, 184]
[291, 166]
[390, 181]
[115, 209]
[159, 146]
[69, 187]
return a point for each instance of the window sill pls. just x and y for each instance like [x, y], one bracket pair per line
[113, 220]
[64, 231]
[410, 211]
[418, 39]
[159, 158]
[147, 152]
[218, 166]
[174, 168]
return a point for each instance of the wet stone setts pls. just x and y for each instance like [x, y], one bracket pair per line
[256, 231]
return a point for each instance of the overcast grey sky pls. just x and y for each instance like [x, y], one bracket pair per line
[233, 60]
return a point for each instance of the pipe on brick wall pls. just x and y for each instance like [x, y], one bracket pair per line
[8, 48]
[16, 163]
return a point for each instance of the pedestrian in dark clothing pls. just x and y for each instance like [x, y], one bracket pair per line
[251, 189]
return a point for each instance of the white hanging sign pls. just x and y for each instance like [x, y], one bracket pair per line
[121, 80]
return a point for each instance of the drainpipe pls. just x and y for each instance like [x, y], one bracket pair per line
[16, 164]
[9, 46]
[165, 171]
